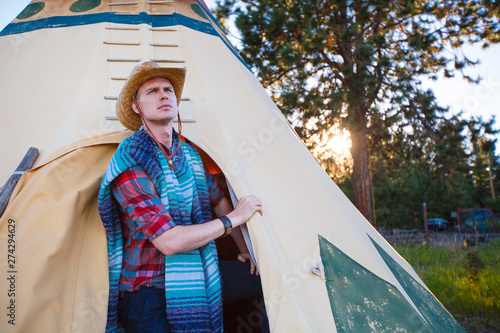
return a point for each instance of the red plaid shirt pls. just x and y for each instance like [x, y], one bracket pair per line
[144, 218]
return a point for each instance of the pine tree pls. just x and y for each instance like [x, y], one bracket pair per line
[358, 64]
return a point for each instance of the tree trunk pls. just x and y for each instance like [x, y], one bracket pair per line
[361, 173]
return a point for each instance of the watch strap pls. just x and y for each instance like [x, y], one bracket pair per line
[228, 225]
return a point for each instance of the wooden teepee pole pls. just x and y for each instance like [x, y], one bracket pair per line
[26, 164]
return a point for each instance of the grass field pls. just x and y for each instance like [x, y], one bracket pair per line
[465, 280]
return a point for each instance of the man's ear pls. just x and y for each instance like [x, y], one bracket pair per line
[135, 106]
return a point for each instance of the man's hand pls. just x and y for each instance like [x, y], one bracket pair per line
[244, 210]
[243, 258]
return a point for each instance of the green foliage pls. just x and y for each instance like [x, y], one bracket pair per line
[473, 265]
[446, 168]
[448, 271]
[493, 204]
[358, 65]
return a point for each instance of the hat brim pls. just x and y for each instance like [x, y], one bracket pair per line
[139, 75]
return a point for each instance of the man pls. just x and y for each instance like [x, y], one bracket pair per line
[155, 202]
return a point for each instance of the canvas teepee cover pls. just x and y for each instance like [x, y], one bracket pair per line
[62, 64]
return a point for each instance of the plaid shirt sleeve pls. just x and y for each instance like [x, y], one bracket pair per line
[140, 203]
[214, 190]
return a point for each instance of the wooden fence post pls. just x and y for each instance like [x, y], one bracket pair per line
[426, 226]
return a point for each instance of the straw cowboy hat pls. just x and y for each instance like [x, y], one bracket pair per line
[140, 74]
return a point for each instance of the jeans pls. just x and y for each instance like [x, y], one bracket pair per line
[238, 284]
[144, 311]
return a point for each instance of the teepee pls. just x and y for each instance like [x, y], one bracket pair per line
[323, 267]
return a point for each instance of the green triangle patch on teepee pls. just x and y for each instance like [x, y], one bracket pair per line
[363, 302]
[431, 309]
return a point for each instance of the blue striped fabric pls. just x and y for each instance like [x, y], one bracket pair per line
[192, 279]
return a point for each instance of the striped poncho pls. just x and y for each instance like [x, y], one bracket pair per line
[192, 279]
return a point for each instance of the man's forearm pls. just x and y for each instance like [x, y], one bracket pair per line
[223, 208]
[239, 240]
[183, 238]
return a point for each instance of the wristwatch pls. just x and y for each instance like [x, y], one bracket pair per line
[228, 226]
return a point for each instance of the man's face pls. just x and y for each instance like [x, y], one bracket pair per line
[157, 100]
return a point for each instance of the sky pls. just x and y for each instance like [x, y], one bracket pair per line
[475, 100]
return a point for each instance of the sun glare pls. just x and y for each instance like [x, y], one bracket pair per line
[333, 151]
[333, 144]
[339, 144]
